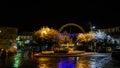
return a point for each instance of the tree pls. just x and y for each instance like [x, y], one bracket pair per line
[100, 38]
[65, 39]
[46, 36]
[84, 39]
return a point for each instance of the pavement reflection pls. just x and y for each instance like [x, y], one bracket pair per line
[23, 60]
[82, 63]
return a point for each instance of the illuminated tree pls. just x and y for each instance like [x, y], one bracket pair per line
[96, 39]
[65, 39]
[46, 36]
[85, 37]
[82, 39]
[103, 37]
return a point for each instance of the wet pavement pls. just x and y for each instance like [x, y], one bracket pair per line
[23, 60]
[112, 64]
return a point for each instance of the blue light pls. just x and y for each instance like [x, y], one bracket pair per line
[66, 63]
[70, 35]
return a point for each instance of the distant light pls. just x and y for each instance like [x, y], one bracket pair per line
[93, 27]
[27, 41]
[0, 31]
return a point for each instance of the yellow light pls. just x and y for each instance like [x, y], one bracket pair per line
[44, 32]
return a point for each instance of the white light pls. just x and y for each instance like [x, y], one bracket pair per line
[27, 41]
[15, 47]
[93, 27]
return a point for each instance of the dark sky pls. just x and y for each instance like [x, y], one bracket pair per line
[31, 15]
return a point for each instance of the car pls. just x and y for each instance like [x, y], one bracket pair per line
[116, 54]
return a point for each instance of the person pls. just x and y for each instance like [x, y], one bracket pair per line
[3, 54]
[3, 57]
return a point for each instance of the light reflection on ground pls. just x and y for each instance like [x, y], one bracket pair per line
[82, 63]
[21, 60]
[17, 60]
[66, 62]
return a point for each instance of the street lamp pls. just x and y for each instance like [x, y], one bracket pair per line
[92, 29]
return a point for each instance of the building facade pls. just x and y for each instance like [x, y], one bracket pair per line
[7, 36]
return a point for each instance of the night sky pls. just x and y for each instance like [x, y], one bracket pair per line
[31, 15]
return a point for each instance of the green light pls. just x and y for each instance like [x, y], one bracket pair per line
[17, 60]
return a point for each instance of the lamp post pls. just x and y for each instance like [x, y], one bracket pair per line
[90, 25]
[92, 28]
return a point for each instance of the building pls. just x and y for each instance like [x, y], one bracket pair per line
[24, 39]
[7, 36]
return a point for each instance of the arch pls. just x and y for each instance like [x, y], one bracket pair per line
[72, 24]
